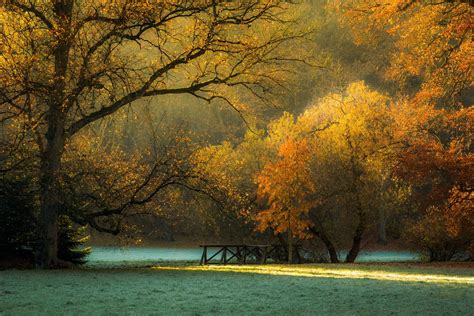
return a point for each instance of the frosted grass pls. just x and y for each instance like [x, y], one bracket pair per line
[304, 290]
[145, 256]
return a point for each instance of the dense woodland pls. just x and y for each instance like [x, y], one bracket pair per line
[331, 123]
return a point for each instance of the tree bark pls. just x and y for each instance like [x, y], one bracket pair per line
[356, 182]
[327, 243]
[55, 139]
[331, 249]
[49, 202]
[357, 239]
[290, 240]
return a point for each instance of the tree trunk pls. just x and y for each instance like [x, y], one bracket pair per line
[55, 139]
[382, 231]
[330, 248]
[328, 244]
[50, 191]
[357, 239]
[382, 212]
[356, 182]
[48, 252]
[290, 246]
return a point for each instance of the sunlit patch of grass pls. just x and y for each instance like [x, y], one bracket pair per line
[329, 272]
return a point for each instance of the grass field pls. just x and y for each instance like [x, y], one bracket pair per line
[242, 290]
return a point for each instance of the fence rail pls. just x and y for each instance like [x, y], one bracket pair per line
[242, 254]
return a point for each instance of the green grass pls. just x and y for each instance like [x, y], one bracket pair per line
[248, 290]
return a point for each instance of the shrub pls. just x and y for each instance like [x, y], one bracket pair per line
[19, 232]
[433, 233]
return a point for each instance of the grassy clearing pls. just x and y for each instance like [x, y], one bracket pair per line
[275, 289]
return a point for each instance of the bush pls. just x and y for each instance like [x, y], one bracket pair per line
[70, 240]
[19, 232]
[433, 233]
[17, 221]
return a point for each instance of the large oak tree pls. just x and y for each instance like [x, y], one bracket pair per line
[65, 64]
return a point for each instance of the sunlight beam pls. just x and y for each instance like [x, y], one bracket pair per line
[318, 272]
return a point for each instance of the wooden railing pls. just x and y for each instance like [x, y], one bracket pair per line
[243, 254]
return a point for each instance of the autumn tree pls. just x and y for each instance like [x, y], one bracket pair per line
[352, 133]
[438, 164]
[232, 171]
[322, 175]
[66, 64]
[433, 41]
[287, 187]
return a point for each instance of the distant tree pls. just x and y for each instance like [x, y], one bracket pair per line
[65, 64]
[433, 41]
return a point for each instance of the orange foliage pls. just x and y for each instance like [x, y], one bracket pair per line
[433, 41]
[287, 187]
[442, 157]
[440, 167]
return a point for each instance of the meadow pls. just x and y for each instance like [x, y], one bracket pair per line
[357, 289]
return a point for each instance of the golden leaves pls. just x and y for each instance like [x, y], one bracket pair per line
[433, 41]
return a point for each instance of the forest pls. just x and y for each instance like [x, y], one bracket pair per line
[327, 123]
[316, 155]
